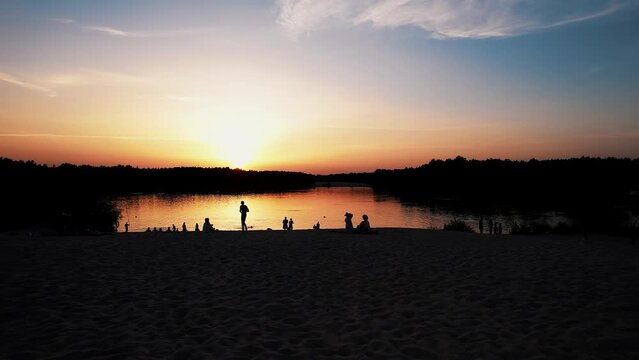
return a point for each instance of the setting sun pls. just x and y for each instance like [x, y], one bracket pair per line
[297, 87]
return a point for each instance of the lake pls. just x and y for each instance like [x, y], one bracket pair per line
[324, 204]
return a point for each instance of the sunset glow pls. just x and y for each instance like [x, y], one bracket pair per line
[323, 86]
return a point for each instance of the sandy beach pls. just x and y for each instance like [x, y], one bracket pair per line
[318, 294]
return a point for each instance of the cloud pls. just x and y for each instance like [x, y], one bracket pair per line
[49, 85]
[84, 77]
[112, 31]
[62, 21]
[109, 30]
[26, 85]
[187, 99]
[443, 19]
[45, 135]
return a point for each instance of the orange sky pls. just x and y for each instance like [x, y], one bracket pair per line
[272, 86]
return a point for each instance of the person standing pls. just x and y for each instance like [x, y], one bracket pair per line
[243, 210]
[285, 223]
[290, 224]
[126, 227]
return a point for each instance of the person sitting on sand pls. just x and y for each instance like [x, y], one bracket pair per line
[197, 227]
[168, 229]
[155, 229]
[207, 227]
[285, 223]
[148, 229]
[348, 220]
[290, 224]
[364, 227]
[184, 227]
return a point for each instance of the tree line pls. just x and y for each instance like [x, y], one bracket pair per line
[76, 196]
[592, 190]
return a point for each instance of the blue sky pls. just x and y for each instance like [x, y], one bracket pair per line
[408, 80]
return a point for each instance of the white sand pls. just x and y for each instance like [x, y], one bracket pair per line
[305, 294]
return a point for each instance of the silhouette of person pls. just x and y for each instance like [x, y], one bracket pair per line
[244, 210]
[168, 229]
[500, 228]
[155, 229]
[207, 226]
[174, 228]
[364, 226]
[481, 224]
[490, 226]
[290, 224]
[160, 229]
[317, 226]
[184, 227]
[197, 227]
[126, 227]
[285, 223]
[148, 229]
[348, 220]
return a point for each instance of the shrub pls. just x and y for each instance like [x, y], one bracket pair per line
[458, 225]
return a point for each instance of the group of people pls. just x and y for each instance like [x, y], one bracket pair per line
[494, 227]
[207, 226]
[364, 226]
[287, 224]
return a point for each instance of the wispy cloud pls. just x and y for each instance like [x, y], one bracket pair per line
[614, 7]
[148, 34]
[50, 85]
[62, 20]
[84, 77]
[109, 31]
[442, 19]
[113, 31]
[187, 99]
[46, 135]
[26, 85]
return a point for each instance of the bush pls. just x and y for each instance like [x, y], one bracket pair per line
[458, 225]
[89, 217]
[538, 228]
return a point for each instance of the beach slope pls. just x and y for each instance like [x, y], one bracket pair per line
[318, 294]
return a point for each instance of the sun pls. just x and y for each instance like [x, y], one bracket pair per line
[238, 147]
[240, 156]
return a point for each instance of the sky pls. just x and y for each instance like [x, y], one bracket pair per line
[319, 86]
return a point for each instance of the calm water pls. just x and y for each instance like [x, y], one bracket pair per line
[326, 205]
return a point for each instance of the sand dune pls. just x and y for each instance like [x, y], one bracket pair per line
[318, 294]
